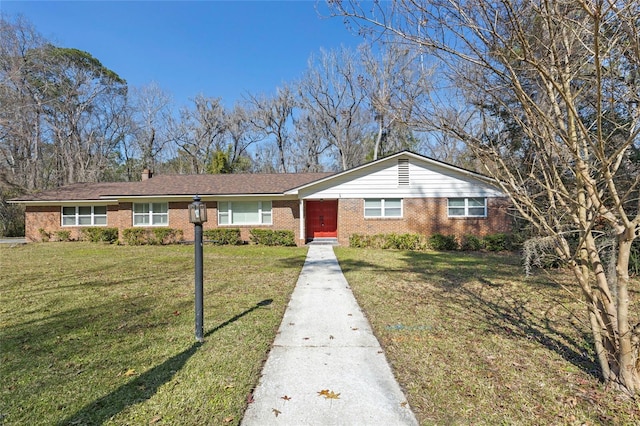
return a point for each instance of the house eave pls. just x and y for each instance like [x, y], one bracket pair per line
[101, 201]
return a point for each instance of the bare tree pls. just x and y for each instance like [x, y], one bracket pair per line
[151, 117]
[332, 97]
[200, 133]
[555, 93]
[272, 117]
[396, 84]
[241, 134]
[21, 113]
[309, 144]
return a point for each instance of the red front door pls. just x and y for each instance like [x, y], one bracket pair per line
[322, 218]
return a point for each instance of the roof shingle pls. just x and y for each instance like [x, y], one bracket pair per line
[177, 185]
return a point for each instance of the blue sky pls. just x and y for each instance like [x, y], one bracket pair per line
[215, 48]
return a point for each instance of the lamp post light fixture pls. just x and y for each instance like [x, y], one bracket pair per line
[197, 216]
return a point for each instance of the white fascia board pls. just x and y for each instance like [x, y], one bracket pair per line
[100, 202]
[203, 197]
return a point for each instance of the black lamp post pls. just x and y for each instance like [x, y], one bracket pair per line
[197, 216]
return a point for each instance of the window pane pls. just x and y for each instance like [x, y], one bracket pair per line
[141, 208]
[245, 212]
[100, 220]
[160, 219]
[84, 220]
[476, 211]
[266, 212]
[223, 218]
[141, 219]
[100, 210]
[266, 217]
[392, 203]
[69, 220]
[393, 212]
[68, 211]
[456, 202]
[372, 204]
[373, 212]
[160, 207]
[84, 210]
[476, 202]
[456, 211]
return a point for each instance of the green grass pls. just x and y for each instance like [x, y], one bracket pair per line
[104, 334]
[472, 341]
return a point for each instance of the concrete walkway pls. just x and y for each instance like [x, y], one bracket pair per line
[326, 367]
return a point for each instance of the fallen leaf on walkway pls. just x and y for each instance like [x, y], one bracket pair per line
[329, 394]
[286, 398]
[276, 412]
[403, 404]
[330, 337]
[250, 398]
[354, 328]
[305, 338]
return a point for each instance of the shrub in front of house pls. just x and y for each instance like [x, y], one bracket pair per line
[443, 242]
[100, 234]
[223, 236]
[134, 236]
[471, 242]
[44, 235]
[270, 237]
[155, 236]
[163, 236]
[388, 241]
[403, 241]
[496, 242]
[63, 235]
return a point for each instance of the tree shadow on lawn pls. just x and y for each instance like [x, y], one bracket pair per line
[504, 311]
[147, 384]
[501, 311]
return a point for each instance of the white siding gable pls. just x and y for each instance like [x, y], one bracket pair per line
[427, 179]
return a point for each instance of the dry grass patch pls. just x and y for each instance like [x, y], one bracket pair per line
[103, 334]
[473, 341]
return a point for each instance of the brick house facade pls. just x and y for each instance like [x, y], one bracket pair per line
[402, 193]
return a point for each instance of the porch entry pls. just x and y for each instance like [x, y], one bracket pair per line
[322, 219]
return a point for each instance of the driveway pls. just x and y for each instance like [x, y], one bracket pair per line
[13, 240]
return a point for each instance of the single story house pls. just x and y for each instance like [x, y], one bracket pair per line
[401, 193]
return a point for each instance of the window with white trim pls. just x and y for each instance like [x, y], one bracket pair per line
[244, 213]
[150, 214]
[383, 207]
[467, 207]
[84, 215]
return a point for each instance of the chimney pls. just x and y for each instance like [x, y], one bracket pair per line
[146, 174]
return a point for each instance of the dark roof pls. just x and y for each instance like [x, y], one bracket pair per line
[177, 185]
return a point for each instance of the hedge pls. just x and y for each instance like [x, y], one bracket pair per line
[222, 236]
[269, 237]
[155, 236]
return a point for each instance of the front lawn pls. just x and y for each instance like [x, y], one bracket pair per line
[472, 341]
[104, 334]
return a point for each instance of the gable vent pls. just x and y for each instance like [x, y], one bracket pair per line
[403, 172]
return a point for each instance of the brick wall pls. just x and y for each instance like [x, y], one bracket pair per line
[422, 216]
[47, 218]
